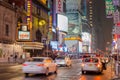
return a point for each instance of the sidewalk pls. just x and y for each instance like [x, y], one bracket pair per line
[115, 77]
[5, 63]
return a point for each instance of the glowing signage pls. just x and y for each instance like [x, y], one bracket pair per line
[62, 22]
[59, 6]
[24, 35]
[73, 38]
[29, 17]
[109, 8]
[43, 1]
[116, 17]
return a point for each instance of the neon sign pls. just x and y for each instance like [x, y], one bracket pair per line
[29, 16]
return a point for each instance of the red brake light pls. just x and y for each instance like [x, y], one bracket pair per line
[98, 65]
[25, 64]
[40, 64]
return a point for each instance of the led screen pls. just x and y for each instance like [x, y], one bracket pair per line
[62, 22]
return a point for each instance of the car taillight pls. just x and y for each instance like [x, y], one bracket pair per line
[98, 65]
[82, 64]
[40, 64]
[25, 64]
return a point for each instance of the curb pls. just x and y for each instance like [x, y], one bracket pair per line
[116, 78]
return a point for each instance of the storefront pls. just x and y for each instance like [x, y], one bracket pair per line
[31, 48]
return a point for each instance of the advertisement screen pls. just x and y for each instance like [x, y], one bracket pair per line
[54, 45]
[109, 8]
[23, 35]
[74, 27]
[62, 22]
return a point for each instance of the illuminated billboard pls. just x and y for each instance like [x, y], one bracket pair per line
[109, 8]
[74, 23]
[59, 6]
[62, 23]
[116, 2]
[24, 35]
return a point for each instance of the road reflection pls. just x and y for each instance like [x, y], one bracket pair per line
[41, 77]
[97, 78]
[94, 76]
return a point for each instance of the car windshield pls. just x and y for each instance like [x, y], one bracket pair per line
[37, 59]
[60, 58]
[86, 56]
[94, 60]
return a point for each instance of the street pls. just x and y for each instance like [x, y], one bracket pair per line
[64, 73]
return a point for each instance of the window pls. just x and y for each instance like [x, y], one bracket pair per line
[38, 60]
[93, 60]
[7, 30]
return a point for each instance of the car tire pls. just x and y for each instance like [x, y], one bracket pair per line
[26, 74]
[83, 72]
[47, 72]
[55, 71]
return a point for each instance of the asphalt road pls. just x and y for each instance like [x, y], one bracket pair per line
[64, 73]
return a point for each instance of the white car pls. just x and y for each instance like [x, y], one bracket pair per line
[63, 61]
[39, 65]
[91, 64]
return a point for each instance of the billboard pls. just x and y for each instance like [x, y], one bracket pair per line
[109, 8]
[62, 23]
[23, 35]
[74, 23]
[116, 2]
[59, 6]
[54, 45]
[72, 45]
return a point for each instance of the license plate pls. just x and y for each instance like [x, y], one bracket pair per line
[90, 64]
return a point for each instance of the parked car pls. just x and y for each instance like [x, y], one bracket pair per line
[91, 64]
[63, 61]
[39, 65]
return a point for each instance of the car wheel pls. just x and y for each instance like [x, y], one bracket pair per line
[26, 74]
[70, 65]
[83, 72]
[101, 71]
[55, 71]
[47, 72]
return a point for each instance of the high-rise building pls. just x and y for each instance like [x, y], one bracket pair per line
[97, 19]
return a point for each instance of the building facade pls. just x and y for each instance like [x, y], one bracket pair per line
[24, 27]
[8, 26]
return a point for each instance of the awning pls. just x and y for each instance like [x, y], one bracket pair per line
[31, 45]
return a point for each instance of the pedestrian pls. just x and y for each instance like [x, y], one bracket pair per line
[8, 59]
[15, 57]
[104, 64]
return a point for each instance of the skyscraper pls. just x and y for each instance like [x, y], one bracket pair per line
[97, 18]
